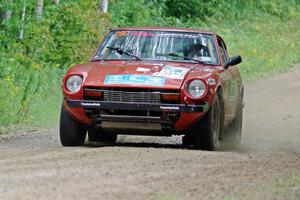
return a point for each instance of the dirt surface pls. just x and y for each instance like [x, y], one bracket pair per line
[33, 165]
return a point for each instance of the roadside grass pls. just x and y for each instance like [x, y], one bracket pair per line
[267, 46]
[161, 196]
[32, 102]
[281, 190]
[45, 107]
[227, 198]
[287, 189]
[297, 180]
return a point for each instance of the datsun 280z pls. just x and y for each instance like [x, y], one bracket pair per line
[157, 82]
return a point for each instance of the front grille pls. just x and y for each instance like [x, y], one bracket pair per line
[130, 95]
[124, 96]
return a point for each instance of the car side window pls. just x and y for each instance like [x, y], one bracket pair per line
[224, 54]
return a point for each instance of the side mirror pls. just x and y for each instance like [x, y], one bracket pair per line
[233, 61]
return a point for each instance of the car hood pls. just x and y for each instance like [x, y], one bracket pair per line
[137, 74]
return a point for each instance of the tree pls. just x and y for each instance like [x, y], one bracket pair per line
[23, 15]
[7, 14]
[103, 5]
[39, 9]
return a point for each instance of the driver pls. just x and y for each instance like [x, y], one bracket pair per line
[196, 50]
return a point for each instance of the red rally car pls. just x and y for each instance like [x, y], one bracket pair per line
[158, 82]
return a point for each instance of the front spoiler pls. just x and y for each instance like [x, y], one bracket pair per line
[137, 106]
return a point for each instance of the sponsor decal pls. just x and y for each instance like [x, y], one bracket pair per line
[169, 107]
[134, 33]
[141, 69]
[181, 35]
[121, 33]
[172, 72]
[134, 79]
[90, 104]
[141, 33]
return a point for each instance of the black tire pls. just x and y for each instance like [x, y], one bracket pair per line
[98, 135]
[205, 134]
[71, 133]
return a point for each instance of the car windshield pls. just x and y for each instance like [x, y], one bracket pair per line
[159, 45]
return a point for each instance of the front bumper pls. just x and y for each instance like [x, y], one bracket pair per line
[137, 106]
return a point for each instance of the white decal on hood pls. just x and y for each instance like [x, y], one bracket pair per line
[141, 69]
[207, 70]
[172, 72]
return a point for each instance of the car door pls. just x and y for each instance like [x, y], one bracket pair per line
[230, 83]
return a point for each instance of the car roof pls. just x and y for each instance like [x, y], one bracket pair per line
[163, 29]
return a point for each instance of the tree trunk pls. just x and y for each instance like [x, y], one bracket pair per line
[21, 33]
[56, 2]
[39, 8]
[103, 5]
[7, 13]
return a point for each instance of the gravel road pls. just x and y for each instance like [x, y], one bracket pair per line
[33, 165]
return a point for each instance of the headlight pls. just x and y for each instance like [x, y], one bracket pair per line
[197, 88]
[73, 83]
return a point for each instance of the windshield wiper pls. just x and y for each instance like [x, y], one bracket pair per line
[186, 58]
[121, 52]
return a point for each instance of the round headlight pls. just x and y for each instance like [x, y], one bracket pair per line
[196, 88]
[73, 83]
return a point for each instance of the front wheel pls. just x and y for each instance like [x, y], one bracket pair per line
[71, 133]
[206, 133]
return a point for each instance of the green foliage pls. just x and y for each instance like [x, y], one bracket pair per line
[267, 46]
[266, 33]
[31, 70]
[228, 9]
[138, 13]
[279, 8]
[187, 9]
